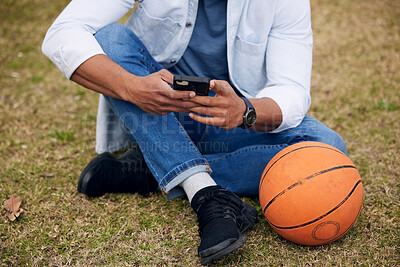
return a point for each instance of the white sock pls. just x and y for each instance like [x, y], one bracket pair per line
[195, 183]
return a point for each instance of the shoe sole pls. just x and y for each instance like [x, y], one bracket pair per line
[249, 213]
[218, 251]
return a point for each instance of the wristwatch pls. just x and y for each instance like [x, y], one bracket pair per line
[250, 115]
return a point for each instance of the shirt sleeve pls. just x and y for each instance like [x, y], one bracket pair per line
[289, 61]
[70, 41]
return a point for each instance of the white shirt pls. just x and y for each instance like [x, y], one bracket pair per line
[269, 44]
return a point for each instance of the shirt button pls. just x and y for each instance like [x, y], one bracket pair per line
[188, 24]
[172, 60]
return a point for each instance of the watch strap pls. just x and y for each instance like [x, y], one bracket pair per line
[249, 107]
[248, 103]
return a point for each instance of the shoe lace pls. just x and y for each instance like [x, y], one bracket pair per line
[213, 205]
[136, 165]
[144, 181]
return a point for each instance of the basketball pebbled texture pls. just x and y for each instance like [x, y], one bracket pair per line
[311, 193]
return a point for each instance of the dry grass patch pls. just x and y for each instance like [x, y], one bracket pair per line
[47, 128]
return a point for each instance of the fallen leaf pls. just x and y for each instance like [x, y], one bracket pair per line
[13, 203]
[12, 206]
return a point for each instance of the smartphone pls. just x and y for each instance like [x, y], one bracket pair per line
[200, 85]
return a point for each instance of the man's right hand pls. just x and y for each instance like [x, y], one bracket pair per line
[154, 94]
[151, 93]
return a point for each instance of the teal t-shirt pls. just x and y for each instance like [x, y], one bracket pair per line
[206, 54]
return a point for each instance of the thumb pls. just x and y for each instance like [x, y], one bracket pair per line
[217, 86]
[167, 76]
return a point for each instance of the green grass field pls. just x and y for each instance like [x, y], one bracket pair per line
[47, 136]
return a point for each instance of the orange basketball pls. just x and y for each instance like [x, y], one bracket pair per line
[311, 193]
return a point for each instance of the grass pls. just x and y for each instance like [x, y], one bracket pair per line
[47, 136]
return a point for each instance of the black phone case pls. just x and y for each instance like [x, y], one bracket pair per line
[200, 85]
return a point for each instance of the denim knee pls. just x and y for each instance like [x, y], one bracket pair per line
[332, 138]
[312, 129]
[122, 45]
[114, 37]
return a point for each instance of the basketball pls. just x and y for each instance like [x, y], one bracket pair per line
[311, 193]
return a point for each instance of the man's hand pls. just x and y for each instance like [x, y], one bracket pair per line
[151, 93]
[225, 110]
[154, 94]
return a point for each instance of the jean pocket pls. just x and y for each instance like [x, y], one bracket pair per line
[155, 33]
[249, 60]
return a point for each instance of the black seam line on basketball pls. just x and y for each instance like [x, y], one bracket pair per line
[322, 216]
[262, 179]
[351, 225]
[307, 178]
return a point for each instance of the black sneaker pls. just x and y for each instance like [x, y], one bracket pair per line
[126, 174]
[222, 217]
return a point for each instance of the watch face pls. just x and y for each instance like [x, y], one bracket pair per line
[251, 117]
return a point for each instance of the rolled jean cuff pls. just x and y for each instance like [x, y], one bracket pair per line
[170, 183]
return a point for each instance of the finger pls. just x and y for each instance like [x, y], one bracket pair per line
[205, 120]
[203, 110]
[177, 109]
[219, 87]
[207, 101]
[175, 94]
[168, 102]
[185, 104]
[166, 105]
[166, 76]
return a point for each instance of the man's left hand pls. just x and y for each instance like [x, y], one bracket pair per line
[224, 110]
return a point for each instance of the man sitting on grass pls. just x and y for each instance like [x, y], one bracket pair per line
[259, 55]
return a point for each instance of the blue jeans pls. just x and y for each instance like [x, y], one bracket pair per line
[176, 147]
